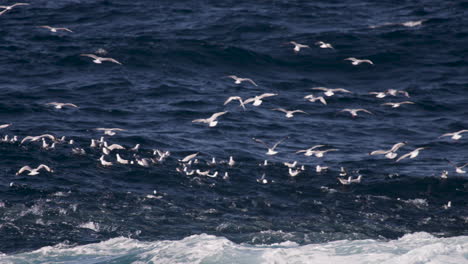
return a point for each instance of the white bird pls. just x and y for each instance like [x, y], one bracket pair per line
[36, 138]
[235, 98]
[189, 157]
[226, 175]
[459, 169]
[321, 153]
[289, 114]
[271, 151]
[343, 172]
[11, 7]
[4, 126]
[444, 175]
[114, 146]
[93, 144]
[78, 151]
[34, 171]
[212, 162]
[319, 168]
[448, 205]
[394, 92]
[262, 179]
[202, 173]
[257, 100]
[290, 164]
[264, 164]
[214, 175]
[455, 135]
[312, 98]
[231, 162]
[99, 60]
[395, 105]
[412, 23]
[145, 162]
[238, 80]
[354, 112]
[61, 105]
[330, 91]
[135, 148]
[379, 94]
[212, 122]
[104, 162]
[324, 45]
[350, 180]
[390, 154]
[294, 173]
[109, 131]
[413, 154]
[106, 151]
[355, 61]
[54, 29]
[297, 46]
[309, 151]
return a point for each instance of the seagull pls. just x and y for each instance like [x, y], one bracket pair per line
[394, 92]
[459, 169]
[290, 165]
[343, 172]
[455, 135]
[355, 61]
[413, 154]
[54, 29]
[294, 173]
[448, 205]
[324, 45]
[61, 105]
[289, 114]
[309, 151]
[412, 23]
[135, 148]
[379, 94]
[238, 80]
[330, 91]
[109, 131]
[189, 157]
[257, 100]
[321, 153]
[444, 175]
[313, 99]
[4, 126]
[395, 105]
[34, 171]
[354, 112]
[99, 60]
[104, 162]
[350, 180]
[11, 7]
[114, 146]
[212, 162]
[235, 98]
[319, 168]
[36, 138]
[271, 151]
[297, 46]
[231, 162]
[263, 179]
[78, 151]
[212, 122]
[390, 154]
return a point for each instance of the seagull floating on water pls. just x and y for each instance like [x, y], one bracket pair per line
[211, 121]
[257, 100]
[34, 171]
[350, 180]
[324, 45]
[289, 114]
[99, 60]
[271, 151]
[7, 8]
[455, 135]
[355, 61]
[55, 29]
[61, 105]
[413, 154]
[297, 46]
[238, 80]
[330, 91]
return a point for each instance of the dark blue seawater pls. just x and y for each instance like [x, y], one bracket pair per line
[175, 57]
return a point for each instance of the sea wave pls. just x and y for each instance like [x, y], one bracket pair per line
[412, 248]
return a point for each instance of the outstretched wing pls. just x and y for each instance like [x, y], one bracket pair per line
[281, 110]
[111, 60]
[251, 81]
[216, 115]
[404, 156]
[279, 142]
[90, 55]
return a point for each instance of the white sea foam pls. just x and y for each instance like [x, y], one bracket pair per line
[414, 248]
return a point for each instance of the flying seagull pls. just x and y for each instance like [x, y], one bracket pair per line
[390, 154]
[257, 100]
[309, 151]
[54, 29]
[7, 8]
[395, 105]
[355, 61]
[354, 112]
[455, 135]
[289, 114]
[297, 46]
[271, 151]
[238, 80]
[61, 105]
[34, 171]
[330, 91]
[413, 154]
[312, 98]
[324, 45]
[459, 169]
[211, 121]
[99, 60]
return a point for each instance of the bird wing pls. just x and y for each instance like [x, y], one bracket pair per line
[48, 27]
[388, 104]
[463, 166]
[299, 111]
[111, 60]
[462, 131]
[261, 142]
[281, 110]
[19, 4]
[90, 55]
[251, 81]
[216, 115]
[266, 95]
[364, 110]
[404, 156]
[407, 102]
[24, 168]
[379, 152]
[447, 135]
[279, 142]
[232, 98]
[347, 110]
[51, 137]
[189, 157]
[322, 100]
[69, 104]
[397, 146]
[328, 150]
[200, 121]
[341, 90]
[320, 88]
[249, 100]
[4, 126]
[65, 29]
[43, 166]
[405, 93]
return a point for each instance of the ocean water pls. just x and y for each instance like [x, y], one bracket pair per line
[175, 57]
